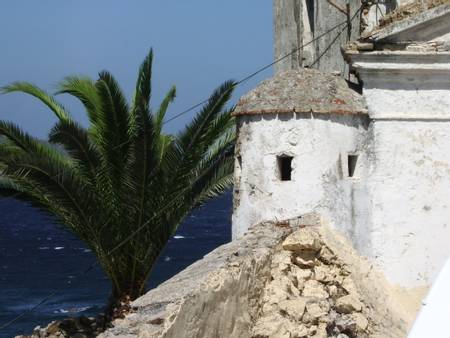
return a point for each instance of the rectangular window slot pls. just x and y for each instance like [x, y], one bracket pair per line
[285, 167]
[311, 15]
[352, 162]
[239, 162]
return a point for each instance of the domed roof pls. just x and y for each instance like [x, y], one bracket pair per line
[302, 91]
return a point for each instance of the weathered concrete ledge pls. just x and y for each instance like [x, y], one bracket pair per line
[249, 288]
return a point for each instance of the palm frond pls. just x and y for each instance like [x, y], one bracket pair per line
[144, 85]
[83, 88]
[159, 118]
[111, 129]
[22, 140]
[75, 140]
[47, 99]
[191, 135]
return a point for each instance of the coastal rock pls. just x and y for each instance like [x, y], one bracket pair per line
[327, 256]
[317, 310]
[321, 331]
[348, 304]
[293, 308]
[303, 240]
[361, 322]
[305, 259]
[349, 285]
[301, 275]
[314, 289]
[78, 327]
[277, 326]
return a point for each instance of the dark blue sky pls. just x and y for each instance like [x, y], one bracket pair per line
[198, 44]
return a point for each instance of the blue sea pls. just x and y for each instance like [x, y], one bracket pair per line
[38, 256]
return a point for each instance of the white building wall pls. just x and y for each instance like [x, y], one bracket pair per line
[407, 232]
[320, 144]
[405, 229]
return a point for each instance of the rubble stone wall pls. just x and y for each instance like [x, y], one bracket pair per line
[294, 278]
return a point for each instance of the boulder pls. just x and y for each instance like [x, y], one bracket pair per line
[349, 285]
[348, 304]
[314, 289]
[317, 310]
[326, 255]
[304, 239]
[293, 308]
[277, 326]
[305, 259]
[321, 331]
[361, 321]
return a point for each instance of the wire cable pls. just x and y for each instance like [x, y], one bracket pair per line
[260, 70]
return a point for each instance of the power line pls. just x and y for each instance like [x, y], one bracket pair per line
[139, 229]
[260, 70]
[336, 37]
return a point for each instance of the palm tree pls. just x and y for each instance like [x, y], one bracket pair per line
[122, 185]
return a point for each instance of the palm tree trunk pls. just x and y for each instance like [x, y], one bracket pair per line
[121, 297]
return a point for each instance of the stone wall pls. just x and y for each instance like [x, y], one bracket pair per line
[297, 22]
[266, 284]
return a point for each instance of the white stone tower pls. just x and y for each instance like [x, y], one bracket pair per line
[376, 166]
[299, 139]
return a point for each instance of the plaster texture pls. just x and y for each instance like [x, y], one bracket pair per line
[408, 192]
[407, 85]
[319, 144]
[407, 89]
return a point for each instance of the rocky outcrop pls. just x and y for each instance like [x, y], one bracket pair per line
[287, 279]
[79, 327]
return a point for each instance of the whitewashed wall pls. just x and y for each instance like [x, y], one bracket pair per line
[320, 144]
[407, 231]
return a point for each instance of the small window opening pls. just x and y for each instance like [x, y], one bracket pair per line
[311, 15]
[352, 161]
[285, 167]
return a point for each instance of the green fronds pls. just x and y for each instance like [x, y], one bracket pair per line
[143, 91]
[82, 88]
[25, 143]
[160, 115]
[51, 183]
[123, 186]
[43, 96]
[111, 133]
[191, 135]
[81, 149]
[9, 188]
